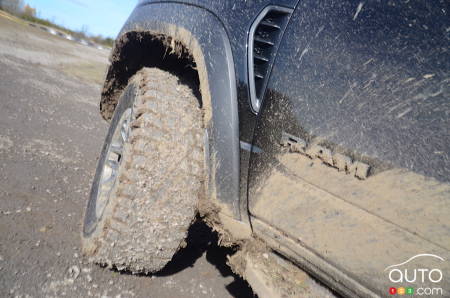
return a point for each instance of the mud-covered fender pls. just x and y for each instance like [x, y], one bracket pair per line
[206, 39]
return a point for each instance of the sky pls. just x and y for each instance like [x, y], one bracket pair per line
[104, 17]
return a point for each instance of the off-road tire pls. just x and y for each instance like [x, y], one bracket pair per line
[160, 178]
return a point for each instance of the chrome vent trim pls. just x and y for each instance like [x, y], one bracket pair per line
[263, 40]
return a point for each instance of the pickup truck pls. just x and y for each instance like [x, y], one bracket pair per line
[314, 136]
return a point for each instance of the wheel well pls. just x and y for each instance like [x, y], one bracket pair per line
[135, 50]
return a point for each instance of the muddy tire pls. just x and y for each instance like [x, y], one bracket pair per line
[149, 177]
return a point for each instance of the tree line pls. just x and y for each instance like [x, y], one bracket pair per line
[28, 13]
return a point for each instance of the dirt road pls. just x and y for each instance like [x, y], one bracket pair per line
[50, 136]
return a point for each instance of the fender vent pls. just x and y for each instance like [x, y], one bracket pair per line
[264, 38]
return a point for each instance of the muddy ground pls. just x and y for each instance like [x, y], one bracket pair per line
[50, 136]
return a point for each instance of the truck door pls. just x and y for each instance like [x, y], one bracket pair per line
[350, 169]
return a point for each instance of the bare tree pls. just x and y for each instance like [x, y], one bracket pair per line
[29, 11]
[12, 6]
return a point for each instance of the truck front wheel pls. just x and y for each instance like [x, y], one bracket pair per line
[149, 176]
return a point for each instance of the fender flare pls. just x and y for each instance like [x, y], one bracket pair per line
[203, 34]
